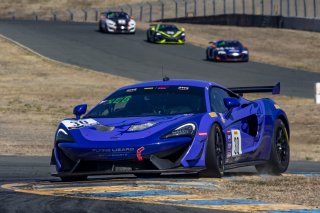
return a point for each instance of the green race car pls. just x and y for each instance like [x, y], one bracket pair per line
[166, 34]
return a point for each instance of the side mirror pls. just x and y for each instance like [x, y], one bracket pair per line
[80, 110]
[153, 28]
[182, 29]
[231, 103]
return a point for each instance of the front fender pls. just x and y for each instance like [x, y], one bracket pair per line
[195, 156]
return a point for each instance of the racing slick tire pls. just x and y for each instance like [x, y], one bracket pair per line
[215, 153]
[207, 56]
[148, 38]
[100, 28]
[280, 151]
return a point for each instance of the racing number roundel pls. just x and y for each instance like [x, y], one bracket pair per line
[236, 142]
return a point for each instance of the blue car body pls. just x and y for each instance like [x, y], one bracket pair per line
[94, 145]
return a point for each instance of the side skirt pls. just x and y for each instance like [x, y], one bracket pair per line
[237, 165]
[182, 170]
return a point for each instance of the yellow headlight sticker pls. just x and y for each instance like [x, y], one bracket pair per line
[277, 106]
[213, 114]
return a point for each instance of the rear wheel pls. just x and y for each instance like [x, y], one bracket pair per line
[280, 151]
[215, 153]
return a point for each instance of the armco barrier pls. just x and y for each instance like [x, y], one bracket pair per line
[297, 23]
[308, 24]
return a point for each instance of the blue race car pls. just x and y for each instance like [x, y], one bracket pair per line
[227, 50]
[173, 126]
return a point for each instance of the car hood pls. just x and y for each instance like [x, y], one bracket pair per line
[117, 19]
[169, 32]
[114, 129]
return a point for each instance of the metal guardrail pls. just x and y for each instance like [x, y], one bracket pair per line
[159, 10]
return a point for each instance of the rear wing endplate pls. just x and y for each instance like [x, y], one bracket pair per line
[258, 89]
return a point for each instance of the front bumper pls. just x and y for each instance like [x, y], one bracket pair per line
[230, 57]
[95, 156]
[169, 40]
[121, 29]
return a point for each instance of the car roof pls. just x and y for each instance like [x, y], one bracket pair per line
[174, 82]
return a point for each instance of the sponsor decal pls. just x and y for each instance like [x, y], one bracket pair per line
[123, 99]
[131, 90]
[183, 88]
[139, 155]
[213, 114]
[236, 143]
[113, 150]
[148, 88]
[163, 87]
[229, 146]
[77, 124]
[228, 154]
[203, 134]
[222, 118]
[229, 143]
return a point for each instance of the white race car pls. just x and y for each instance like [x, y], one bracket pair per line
[116, 22]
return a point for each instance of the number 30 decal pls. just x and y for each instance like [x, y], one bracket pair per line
[236, 142]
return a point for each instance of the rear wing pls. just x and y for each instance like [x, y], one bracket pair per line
[258, 89]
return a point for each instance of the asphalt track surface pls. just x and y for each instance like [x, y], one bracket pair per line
[131, 56]
[16, 169]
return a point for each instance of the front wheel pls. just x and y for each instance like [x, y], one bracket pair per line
[280, 151]
[215, 153]
[207, 56]
[148, 38]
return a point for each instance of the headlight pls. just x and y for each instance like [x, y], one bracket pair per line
[222, 52]
[132, 22]
[183, 34]
[158, 34]
[186, 130]
[112, 23]
[139, 127]
[63, 136]
[245, 52]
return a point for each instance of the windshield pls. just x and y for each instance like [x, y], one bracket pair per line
[151, 101]
[168, 28]
[117, 15]
[236, 44]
